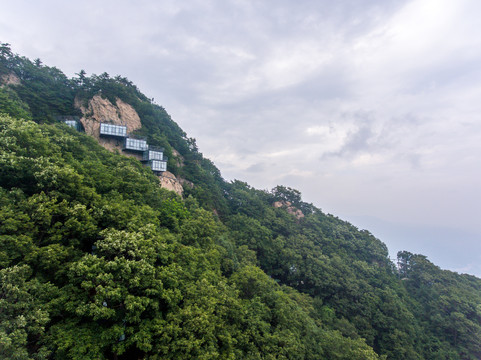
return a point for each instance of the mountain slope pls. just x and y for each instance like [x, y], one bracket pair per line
[98, 261]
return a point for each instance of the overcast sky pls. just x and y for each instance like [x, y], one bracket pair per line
[372, 109]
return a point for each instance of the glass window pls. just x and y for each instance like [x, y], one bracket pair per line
[157, 165]
[114, 130]
[72, 123]
[136, 144]
[155, 155]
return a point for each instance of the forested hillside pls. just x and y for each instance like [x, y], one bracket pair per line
[97, 261]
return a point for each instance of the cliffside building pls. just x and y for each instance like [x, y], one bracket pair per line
[158, 166]
[155, 159]
[154, 153]
[152, 156]
[133, 144]
[113, 130]
[72, 121]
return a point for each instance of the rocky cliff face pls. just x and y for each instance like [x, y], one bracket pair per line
[100, 110]
[178, 158]
[170, 182]
[9, 79]
[289, 208]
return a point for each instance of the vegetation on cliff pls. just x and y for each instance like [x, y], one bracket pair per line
[98, 262]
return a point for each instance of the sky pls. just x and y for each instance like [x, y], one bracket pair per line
[372, 109]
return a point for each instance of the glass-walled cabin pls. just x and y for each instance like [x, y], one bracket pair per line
[113, 130]
[71, 120]
[158, 165]
[73, 123]
[153, 154]
[136, 144]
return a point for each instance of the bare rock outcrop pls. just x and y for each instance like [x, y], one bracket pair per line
[289, 208]
[186, 182]
[179, 158]
[100, 110]
[170, 182]
[9, 79]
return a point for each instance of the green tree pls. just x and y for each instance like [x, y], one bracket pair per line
[23, 314]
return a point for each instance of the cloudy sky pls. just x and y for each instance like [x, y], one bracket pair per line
[372, 109]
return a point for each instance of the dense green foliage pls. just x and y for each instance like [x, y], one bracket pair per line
[125, 267]
[447, 305]
[98, 262]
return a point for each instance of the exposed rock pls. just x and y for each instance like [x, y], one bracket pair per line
[289, 208]
[186, 182]
[111, 144]
[9, 79]
[128, 115]
[170, 182]
[179, 158]
[102, 110]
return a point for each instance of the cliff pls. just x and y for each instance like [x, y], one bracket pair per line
[99, 109]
